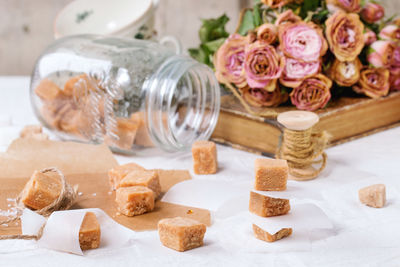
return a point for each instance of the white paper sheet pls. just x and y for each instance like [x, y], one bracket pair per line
[204, 194]
[308, 222]
[62, 230]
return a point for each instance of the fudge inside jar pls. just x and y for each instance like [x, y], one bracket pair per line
[87, 108]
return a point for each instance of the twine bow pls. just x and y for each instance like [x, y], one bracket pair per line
[63, 202]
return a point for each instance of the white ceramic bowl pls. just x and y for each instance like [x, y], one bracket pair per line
[127, 18]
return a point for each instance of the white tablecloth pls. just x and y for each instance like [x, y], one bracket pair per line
[367, 238]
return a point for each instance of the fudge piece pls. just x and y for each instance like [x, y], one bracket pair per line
[134, 200]
[126, 132]
[265, 206]
[30, 130]
[142, 136]
[47, 90]
[34, 132]
[265, 236]
[181, 233]
[80, 86]
[118, 173]
[89, 233]
[149, 179]
[271, 174]
[41, 190]
[373, 195]
[204, 157]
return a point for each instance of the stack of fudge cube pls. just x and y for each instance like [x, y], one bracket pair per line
[270, 175]
[136, 188]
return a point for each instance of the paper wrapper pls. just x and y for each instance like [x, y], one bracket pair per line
[61, 231]
[306, 220]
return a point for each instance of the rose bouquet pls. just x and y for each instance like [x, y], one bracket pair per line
[304, 52]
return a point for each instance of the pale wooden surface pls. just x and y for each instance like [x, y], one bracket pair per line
[26, 26]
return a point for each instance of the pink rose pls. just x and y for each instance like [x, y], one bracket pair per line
[390, 32]
[394, 79]
[372, 12]
[374, 82]
[313, 93]
[384, 54]
[296, 71]
[345, 73]
[287, 17]
[267, 33]
[262, 65]
[346, 5]
[302, 41]
[345, 35]
[369, 37]
[259, 97]
[228, 61]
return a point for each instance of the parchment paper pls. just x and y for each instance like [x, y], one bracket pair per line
[61, 231]
[87, 166]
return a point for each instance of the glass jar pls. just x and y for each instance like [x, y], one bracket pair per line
[130, 94]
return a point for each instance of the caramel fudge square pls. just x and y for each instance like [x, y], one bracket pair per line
[41, 190]
[116, 174]
[265, 206]
[373, 195]
[149, 179]
[89, 233]
[134, 200]
[181, 234]
[204, 157]
[271, 174]
[265, 236]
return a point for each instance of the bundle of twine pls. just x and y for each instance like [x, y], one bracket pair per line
[64, 201]
[302, 149]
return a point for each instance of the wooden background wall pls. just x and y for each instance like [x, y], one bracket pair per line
[26, 26]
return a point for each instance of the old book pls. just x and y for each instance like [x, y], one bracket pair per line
[345, 119]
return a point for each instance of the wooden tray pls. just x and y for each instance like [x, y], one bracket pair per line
[345, 119]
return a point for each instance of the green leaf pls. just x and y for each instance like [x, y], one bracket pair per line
[308, 5]
[247, 23]
[256, 15]
[213, 29]
[199, 55]
[213, 46]
[320, 17]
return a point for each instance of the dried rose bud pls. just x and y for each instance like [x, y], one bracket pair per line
[287, 17]
[374, 82]
[276, 3]
[344, 33]
[302, 41]
[262, 64]
[313, 93]
[296, 71]
[369, 37]
[228, 61]
[390, 32]
[267, 33]
[345, 73]
[384, 54]
[259, 97]
[372, 12]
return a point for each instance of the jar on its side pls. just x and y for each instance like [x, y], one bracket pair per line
[130, 94]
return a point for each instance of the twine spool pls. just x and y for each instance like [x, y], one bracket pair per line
[64, 201]
[301, 145]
